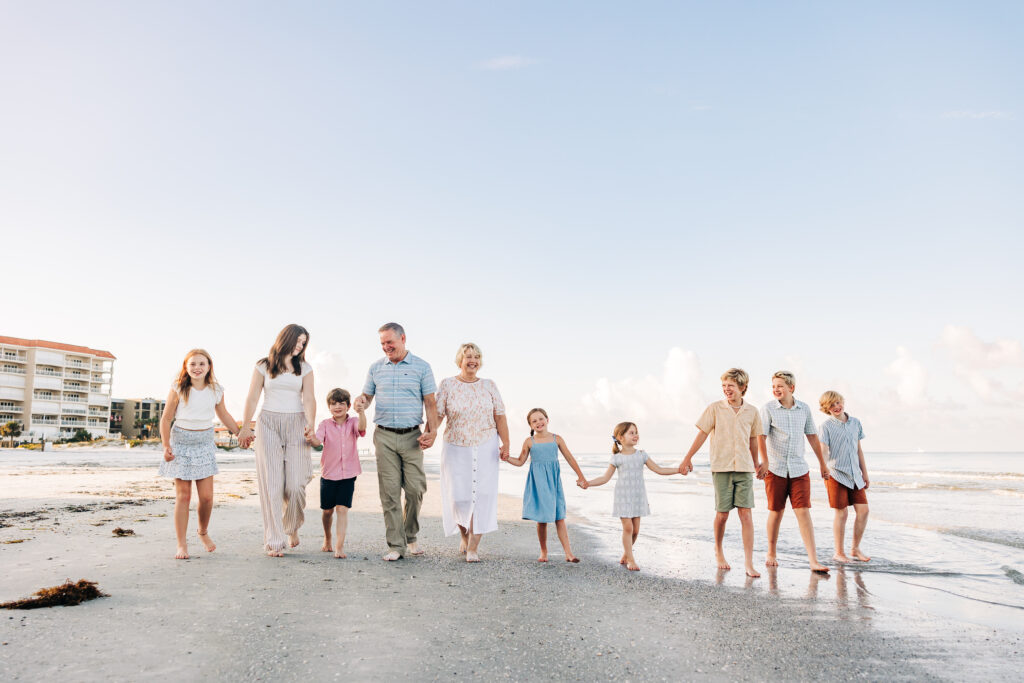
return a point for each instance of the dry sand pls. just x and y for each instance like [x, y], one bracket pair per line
[236, 615]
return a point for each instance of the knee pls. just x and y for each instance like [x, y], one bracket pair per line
[862, 510]
[627, 527]
[842, 513]
[206, 498]
[327, 514]
[183, 495]
[721, 517]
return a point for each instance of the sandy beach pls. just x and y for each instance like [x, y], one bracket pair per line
[235, 614]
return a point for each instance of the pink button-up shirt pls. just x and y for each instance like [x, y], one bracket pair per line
[340, 457]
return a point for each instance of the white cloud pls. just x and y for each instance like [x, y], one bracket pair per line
[911, 378]
[330, 371]
[506, 63]
[671, 396]
[972, 114]
[970, 351]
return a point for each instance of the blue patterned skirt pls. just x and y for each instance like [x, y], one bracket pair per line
[195, 455]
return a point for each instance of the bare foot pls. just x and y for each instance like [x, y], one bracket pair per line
[275, 553]
[722, 564]
[326, 547]
[819, 568]
[293, 539]
[770, 561]
[622, 560]
[632, 566]
[462, 546]
[572, 558]
[392, 556]
[182, 553]
[752, 573]
[471, 556]
[859, 556]
[414, 549]
[543, 557]
[207, 542]
[340, 554]
[840, 557]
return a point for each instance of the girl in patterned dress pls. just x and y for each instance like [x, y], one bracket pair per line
[543, 497]
[190, 454]
[630, 492]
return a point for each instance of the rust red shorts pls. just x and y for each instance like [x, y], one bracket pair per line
[840, 496]
[797, 489]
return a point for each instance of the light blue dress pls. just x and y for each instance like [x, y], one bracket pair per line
[543, 498]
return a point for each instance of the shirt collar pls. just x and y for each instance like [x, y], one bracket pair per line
[408, 354]
[778, 404]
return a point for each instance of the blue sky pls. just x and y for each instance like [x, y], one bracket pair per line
[616, 201]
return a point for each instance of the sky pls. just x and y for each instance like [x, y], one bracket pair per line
[616, 201]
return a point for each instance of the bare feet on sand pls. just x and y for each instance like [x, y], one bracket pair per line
[414, 549]
[393, 556]
[340, 554]
[752, 573]
[207, 541]
[182, 553]
[841, 558]
[722, 564]
[471, 556]
[293, 539]
[632, 566]
[543, 557]
[572, 558]
[859, 556]
[770, 561]
[275, 553]
[326, 547]
[462, 546]
[622, 560]
[819, 568]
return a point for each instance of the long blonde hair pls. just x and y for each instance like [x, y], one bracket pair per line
[280, 353]
[184, 382]
[619, 432]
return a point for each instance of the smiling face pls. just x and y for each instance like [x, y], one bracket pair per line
[836, 409]
[300, 344]
[733, 392]
[393, 345]
[781, 390]
[631, 437]
[538, 421]
[471, 363]
[339, 409]
[198, 366]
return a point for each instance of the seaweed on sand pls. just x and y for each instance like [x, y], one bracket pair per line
[123, 532]
[67, 593]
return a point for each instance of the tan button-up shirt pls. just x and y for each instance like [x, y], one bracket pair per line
[730, 434]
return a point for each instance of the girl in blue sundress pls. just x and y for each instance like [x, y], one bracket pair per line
[630, 491]
[543, 498]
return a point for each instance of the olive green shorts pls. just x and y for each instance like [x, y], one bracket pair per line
[733, 490]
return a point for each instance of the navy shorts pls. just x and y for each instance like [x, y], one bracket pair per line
[336, 492]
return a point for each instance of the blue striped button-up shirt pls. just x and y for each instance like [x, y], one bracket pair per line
[842, 439]
[785, 429]
[399, 389]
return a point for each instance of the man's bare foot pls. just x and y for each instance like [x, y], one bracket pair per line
[414, 549]
[543, 557]
[182, 553]
[207, 542]
[275, 553]
[572, 558]
[819, 568]
[771, 561]
[340, 554]
[293, 539]
[326, 547]
[840, 557]
[471, 556]
[859, 556]
[632, 566]
[722, 564]
[392, 556]
[752, 573]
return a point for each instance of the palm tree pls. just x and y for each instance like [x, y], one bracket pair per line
[10, 430]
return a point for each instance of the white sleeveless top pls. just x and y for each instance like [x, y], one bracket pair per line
[200, 410]
[283, 394]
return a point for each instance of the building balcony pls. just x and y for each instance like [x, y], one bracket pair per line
[16, 410]
[11, 370]
[17, 358]
[48, 372]
[44, 421]
[68, 410]
[76, 363]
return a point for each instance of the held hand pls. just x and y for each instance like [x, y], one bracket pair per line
[169, 455]
[426, 440]
[824, 471]
[762, 468]
[309, 433]
[503, 452]
[360, 404]
[245, 437]
[582, 483]
[685, 467]
[866, 483]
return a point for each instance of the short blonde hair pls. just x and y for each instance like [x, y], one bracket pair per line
[741, 378]
[786, 376]
[461, 353]
[828, 398]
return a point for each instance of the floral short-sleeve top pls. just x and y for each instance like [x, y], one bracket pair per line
[470, 408]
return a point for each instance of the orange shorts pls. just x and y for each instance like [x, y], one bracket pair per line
[840, 496]
[797, 489]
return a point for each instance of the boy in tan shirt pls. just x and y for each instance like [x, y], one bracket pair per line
[733, 425]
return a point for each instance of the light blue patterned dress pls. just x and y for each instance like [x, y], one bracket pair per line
[543, 497]
[630, 491]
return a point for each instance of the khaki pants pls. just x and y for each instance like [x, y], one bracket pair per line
[400, 466]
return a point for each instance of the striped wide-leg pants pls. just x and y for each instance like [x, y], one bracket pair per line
[283, 469]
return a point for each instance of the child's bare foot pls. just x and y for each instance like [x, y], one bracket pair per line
[471, 556]
[414, 549]
[207, 542]
[770, 561]
[622, 560]
[275, 553]
[293, 539]
[543, 557]
[572, 558]
[722, 564]
[393, 556]
[818, 567]
[752, 573]
[182, 553]
[340, 554]
[632, 566]
[840, 557]
[859, 556]
[463, 544]
[326, 547]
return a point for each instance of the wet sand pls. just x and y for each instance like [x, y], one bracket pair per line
[235, 614]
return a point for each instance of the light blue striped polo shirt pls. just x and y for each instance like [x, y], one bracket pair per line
[843, 460]
[785, 429]
[399, 389]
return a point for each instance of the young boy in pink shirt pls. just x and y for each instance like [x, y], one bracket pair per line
[339, 464]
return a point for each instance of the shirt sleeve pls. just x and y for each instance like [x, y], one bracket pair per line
[321, 430]
[442, 397]
[706, 422]
[218, 394]
[644, 453]
[369, 387]
[616, 460]
[757, 429]
[306, 369]
[262, 369]
[499, 405]
[427, 385]
[823, 433]
[809, 427]
[860, 431]
[765, 418]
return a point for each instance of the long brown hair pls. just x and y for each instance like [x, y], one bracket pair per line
[280, 353]
[184, 382]
[619, 432]
[530, 414]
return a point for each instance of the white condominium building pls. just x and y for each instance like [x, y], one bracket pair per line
[54, 389]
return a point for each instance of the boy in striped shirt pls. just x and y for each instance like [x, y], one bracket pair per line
[847, 484]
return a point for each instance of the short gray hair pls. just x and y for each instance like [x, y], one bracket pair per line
[394, 327]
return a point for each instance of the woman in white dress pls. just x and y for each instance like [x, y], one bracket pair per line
[475, 442]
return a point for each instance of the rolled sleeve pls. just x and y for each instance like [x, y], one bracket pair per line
[427, 385]
[765, 420]
[706, 422]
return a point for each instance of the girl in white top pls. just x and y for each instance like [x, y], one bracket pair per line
[189, 451]
[286, 423]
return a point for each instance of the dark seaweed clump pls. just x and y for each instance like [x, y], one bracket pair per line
[124, 532]
[65, 594]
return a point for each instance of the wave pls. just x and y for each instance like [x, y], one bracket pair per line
[987, 536]
[1014, 575]
[979, 488]
[988, 476]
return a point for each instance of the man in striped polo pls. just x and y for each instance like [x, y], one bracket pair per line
[403, 385]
